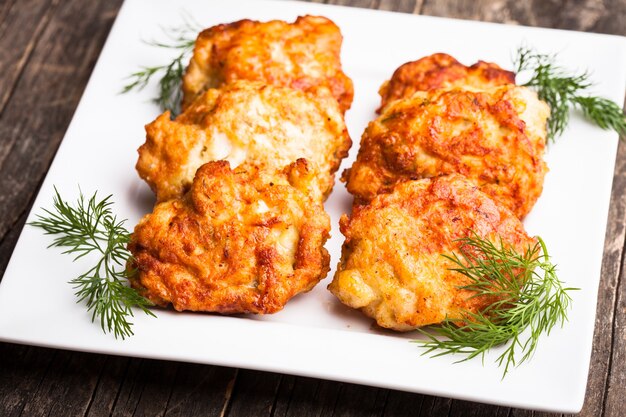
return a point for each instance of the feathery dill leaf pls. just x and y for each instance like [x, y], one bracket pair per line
[564, 91]
[181, 39]
[529, 296]
[90, 227]
[604, 112]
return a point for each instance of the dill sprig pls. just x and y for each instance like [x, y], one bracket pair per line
[564, 91]
[181, 39]
[528, 295]
[90, 227]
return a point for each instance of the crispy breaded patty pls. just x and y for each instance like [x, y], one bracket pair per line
[240, 241]
[439, 71]
[304, 55]
[244, 122]
[392, 266]
[494, 137]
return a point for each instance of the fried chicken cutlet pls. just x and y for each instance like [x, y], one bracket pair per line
[244, 122]
[240, 241]
[303, 55]
[392, 266]
[494, 137]
[440, 71]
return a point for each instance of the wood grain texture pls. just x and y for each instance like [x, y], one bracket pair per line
[23, 368]
[586, 15]
[47, 51]
[5, 6]
[21, 25]
[306, 397]
[33, 122]
[146, 388]
[254, 394]
[615, 397]
[108, 387]
[201, 390]
[66, 386]
[606, 389]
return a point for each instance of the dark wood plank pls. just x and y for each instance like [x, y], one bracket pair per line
[22, 370]
[108, 387]
[586, 15]
[201, 391]
[614, 389]
[367, 4]
[404, 6]
[8, 241]
[136, 387]
[358, 400]
[403, 404]
[470, 409]
[5, 6]
[615, 397]
[435, 406]
[146, 389]
[34, 121]
[20, 27]
[67, 385]
[307, 397]
[254, 394]
[612, 19]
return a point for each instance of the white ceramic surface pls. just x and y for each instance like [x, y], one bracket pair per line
[315, 335]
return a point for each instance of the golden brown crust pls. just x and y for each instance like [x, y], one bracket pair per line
[304, 55]
[244, 122]
[440, 71]
[240, 241]
[494, 137]
[392, 266]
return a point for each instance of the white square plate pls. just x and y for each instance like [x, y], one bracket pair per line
[315, 335]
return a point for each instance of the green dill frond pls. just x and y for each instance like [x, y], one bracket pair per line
[531, 301]
[605, 113]
[181, 39]
[564, 91]
[88, 227]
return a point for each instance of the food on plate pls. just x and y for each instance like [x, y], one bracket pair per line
[392, 265]
[267, 125]
[304, 55]
[494, 137]
[242, 240]
[241, 174]
[442, 180]
[440, 71]
[563, 90]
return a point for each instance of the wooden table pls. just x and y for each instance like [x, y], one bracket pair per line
[47, 51]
